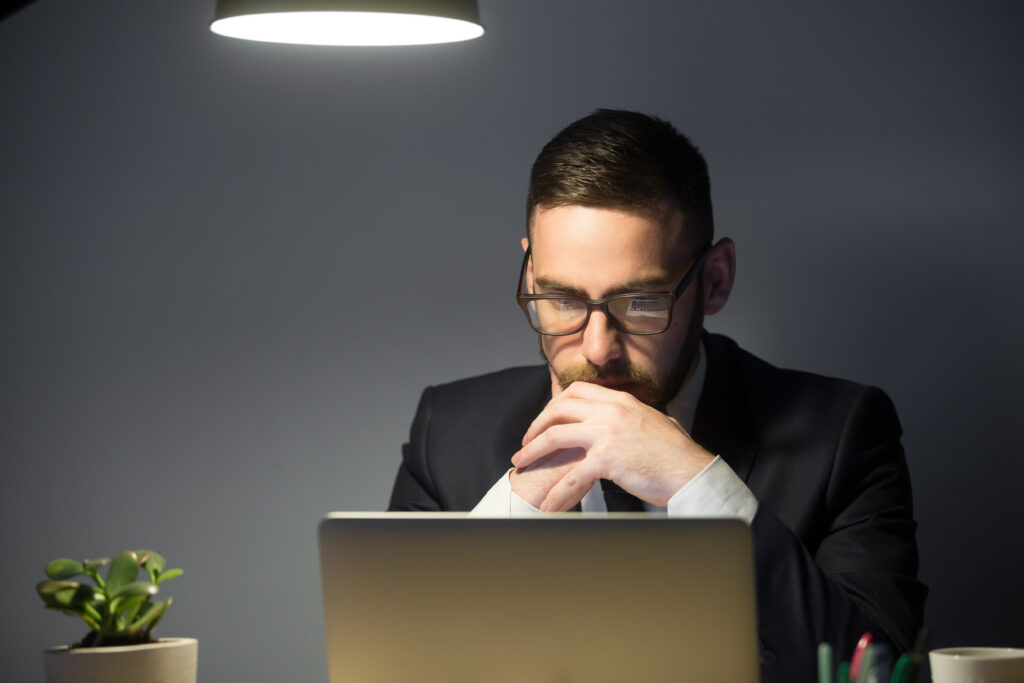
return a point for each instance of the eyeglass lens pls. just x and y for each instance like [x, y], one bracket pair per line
[633, 313]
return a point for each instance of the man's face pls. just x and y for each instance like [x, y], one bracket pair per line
[594, 253]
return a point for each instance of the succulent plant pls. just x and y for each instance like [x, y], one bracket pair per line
[118, 609]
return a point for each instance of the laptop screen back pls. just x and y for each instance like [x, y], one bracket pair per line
[442, 597]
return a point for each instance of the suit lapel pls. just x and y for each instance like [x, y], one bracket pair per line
[531, 398]
[722, 424]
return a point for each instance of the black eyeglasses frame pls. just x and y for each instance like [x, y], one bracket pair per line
[523, 300]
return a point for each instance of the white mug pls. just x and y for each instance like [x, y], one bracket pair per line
[977, 665]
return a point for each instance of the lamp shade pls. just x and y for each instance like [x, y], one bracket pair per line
[348, 22]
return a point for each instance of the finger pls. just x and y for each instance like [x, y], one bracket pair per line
[577, 403]
[580, 402]
[561, 412]
[554, 438]
[596, 392]
[570, 489]
[533, 483]
[562, 458]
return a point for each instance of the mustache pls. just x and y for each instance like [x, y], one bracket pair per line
[625, 372]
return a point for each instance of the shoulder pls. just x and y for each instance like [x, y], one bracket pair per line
[817, 401]
[810, 445]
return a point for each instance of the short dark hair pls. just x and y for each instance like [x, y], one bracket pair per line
[624, 160]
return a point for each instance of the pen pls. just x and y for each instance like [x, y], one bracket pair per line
[881, 664]
[843, 673]
[901, 672]
[867, 661]
[858, 654]
[825, 663]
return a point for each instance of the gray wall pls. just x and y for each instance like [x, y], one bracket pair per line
[220, 261]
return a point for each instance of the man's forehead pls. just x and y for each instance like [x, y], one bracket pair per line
[652, 236]
[600, 252]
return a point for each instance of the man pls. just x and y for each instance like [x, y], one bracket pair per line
[637, 406]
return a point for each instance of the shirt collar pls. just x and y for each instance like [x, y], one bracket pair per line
[684, 406]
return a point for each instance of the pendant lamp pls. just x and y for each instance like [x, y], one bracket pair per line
[348, 22]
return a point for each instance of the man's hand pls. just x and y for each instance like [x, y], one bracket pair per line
[532, 482]
[589, 432]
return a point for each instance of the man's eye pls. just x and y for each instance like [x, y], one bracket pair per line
[648, 306]
[570, 305]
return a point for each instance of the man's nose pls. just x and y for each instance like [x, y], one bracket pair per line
[601, 342]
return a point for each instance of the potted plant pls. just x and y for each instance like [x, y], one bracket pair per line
[121, 615]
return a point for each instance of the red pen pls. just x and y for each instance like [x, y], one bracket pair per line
[858, 654]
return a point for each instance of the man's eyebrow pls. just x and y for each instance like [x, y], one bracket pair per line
[647, 284]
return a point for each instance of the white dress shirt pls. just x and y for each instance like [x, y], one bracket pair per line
[716, 491]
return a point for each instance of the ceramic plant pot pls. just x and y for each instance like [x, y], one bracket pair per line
[168, 660]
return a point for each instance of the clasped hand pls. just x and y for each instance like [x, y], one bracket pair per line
[589, 432]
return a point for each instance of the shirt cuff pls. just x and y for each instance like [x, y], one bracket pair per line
[716, 491]
[502, 501]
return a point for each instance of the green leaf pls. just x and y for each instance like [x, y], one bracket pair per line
[135, 588]
[90, 619]
[91, 616]
[157, 618]
[93, 565]
[76, 598]
[51, 587]
[67, 595]
[123, 570]
[169, 574]
[154, 564]
[48, 590]
[125, 608]
[128, 608]
[150, 616]
[64, 569]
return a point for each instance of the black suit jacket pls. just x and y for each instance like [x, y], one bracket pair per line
[834, 547]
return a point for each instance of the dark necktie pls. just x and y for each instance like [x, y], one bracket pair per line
[619, 500]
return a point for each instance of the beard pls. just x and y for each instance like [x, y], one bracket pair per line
[641, 383]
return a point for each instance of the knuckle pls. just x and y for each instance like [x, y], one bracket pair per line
[552, 434]
[589, 468]
[618, 411]
[610, 430]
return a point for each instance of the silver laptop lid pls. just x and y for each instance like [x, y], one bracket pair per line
[442, 597]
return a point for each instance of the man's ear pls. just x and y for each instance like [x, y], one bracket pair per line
[719, 274]
[526, 243]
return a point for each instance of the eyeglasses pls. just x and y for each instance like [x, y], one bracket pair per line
[640, 313]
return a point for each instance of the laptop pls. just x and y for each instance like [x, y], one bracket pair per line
[442, 597]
